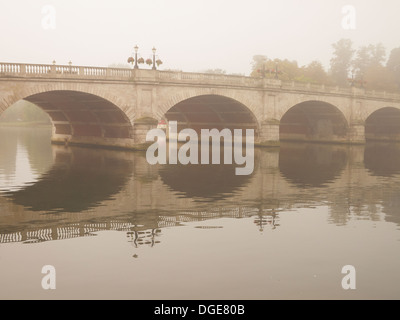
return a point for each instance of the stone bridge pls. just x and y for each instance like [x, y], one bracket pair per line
[116, 107]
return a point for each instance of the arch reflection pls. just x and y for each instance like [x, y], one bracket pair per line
[213, 181]
[78, 180]
[311, 165]
[382, 159]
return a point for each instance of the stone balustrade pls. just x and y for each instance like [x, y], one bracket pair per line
[21, 70]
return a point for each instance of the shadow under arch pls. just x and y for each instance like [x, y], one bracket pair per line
[311, 165]
[212, 111]
[382, 159]
[79, 179]
[383, 125]
[313, 121]
[84, 118]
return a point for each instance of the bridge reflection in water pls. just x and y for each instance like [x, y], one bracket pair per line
[82, 191]
[78, 180]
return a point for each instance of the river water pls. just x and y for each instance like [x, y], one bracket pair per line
[115, 227]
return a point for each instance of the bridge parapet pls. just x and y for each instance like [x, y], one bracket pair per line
[62, 71]
[209, 77]
[336, 90]
[69, 72]
[100, 73]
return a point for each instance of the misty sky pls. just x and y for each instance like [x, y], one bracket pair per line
[191, 35]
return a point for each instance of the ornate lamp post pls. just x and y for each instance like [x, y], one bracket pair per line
[136, 48]
[264, 72]
[276, 72]
[263, 220]
[135, 60]
[360, 82]
[149, 61]
[154, 58]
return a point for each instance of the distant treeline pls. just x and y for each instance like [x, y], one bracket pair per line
[366, 67]
[24, 111]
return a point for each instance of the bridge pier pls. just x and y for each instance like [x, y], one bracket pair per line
[356, 133]
[140, 129]
[268, 133]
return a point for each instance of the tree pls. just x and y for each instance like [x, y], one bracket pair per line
[393, 66]
[377, 53]
[367, 67]
[288, 70]
[313, 73]
[378, 77]
[341, 61]
[371, 56]
[257, 63]
[361, 63]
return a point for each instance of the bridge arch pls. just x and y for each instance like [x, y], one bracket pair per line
[36, 88]
[80, 113]
[208, 111]
[383, 124]
[183, 95]
[314, 120]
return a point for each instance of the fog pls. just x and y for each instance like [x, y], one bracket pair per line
[190, 35]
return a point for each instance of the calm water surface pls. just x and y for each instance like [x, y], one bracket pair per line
[115, 227]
